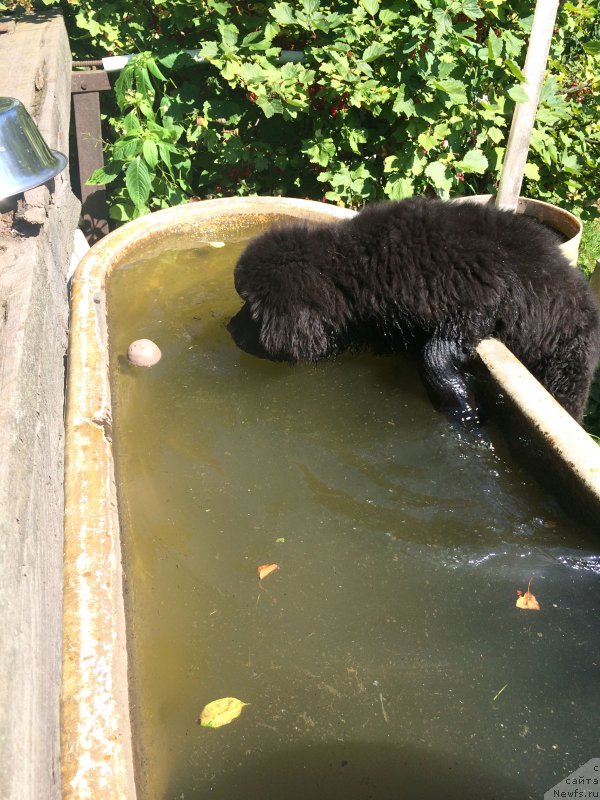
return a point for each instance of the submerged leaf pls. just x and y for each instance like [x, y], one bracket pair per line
[527, 600]
[266, 570]
[221, 712]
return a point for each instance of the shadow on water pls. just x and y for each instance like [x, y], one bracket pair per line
[353, 771]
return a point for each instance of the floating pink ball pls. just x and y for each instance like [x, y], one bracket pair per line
[143, 353]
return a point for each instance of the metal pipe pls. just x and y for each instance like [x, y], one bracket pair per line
[87, 64]
[116, 63]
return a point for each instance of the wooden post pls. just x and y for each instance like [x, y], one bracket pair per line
[524, 114]
[85, 89]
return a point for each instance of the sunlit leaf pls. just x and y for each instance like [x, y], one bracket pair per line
[374, 51]
[532, 171]
[221, 712]
[515, 70]
[474, 161]
[137, 180]
[283, 13]
[518, 94]
[371, 6]
[266, 570]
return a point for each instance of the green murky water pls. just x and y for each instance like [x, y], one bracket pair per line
[385, 658]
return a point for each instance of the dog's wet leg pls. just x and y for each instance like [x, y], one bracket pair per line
[442, 370]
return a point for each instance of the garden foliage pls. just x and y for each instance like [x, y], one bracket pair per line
[391, 98]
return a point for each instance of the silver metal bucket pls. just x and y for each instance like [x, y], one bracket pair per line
[25, 158]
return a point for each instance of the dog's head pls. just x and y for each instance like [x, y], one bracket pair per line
[293, 310]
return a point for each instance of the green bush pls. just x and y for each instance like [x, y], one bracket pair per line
[390, 99]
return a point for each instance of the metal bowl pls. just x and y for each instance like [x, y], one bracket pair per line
[25, 158]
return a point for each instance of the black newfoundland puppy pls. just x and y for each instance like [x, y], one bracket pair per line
[442, 276]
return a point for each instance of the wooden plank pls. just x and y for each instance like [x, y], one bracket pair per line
[524, 114]
[35, 67]
[93, 80]
[94, 208]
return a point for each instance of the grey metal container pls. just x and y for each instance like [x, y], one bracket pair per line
[25, 158]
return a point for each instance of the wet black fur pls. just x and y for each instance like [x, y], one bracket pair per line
[441, 275]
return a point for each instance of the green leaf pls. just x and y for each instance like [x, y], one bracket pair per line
[230, 71]
[283, 14]
[470, 8]
[265, 106]
[131, 122]
[165, 153]
[154, 69]
[518, 94]
[121, 212]
[104, 175]
[532, 172]
[525, 23]
[320, 152]
[512, 44]
[443, 20]
[229, 34]
[209, 51]
[127, 147]
[388, 17]
[137, 181]
[494, 45]
[150, 152]
[124, 84]
[495, 134]
[474, 161]
[251, 38]
[142, 80]
[370, 6]
[592, 47]
[310, 6]
[454, 88]
[439, 175]
[374, 51]
[569, 162]
[169, 60]
[426, 140]
[399, 189]
[403, 106]
[516, 71]
[252, 73]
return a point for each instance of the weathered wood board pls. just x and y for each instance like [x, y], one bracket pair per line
[36, 237]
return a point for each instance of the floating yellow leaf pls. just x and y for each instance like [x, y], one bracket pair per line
[527, 600]
[266, 570]
[221, 712]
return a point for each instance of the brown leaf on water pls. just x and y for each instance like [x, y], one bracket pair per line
[527, 600]
[266, 570]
